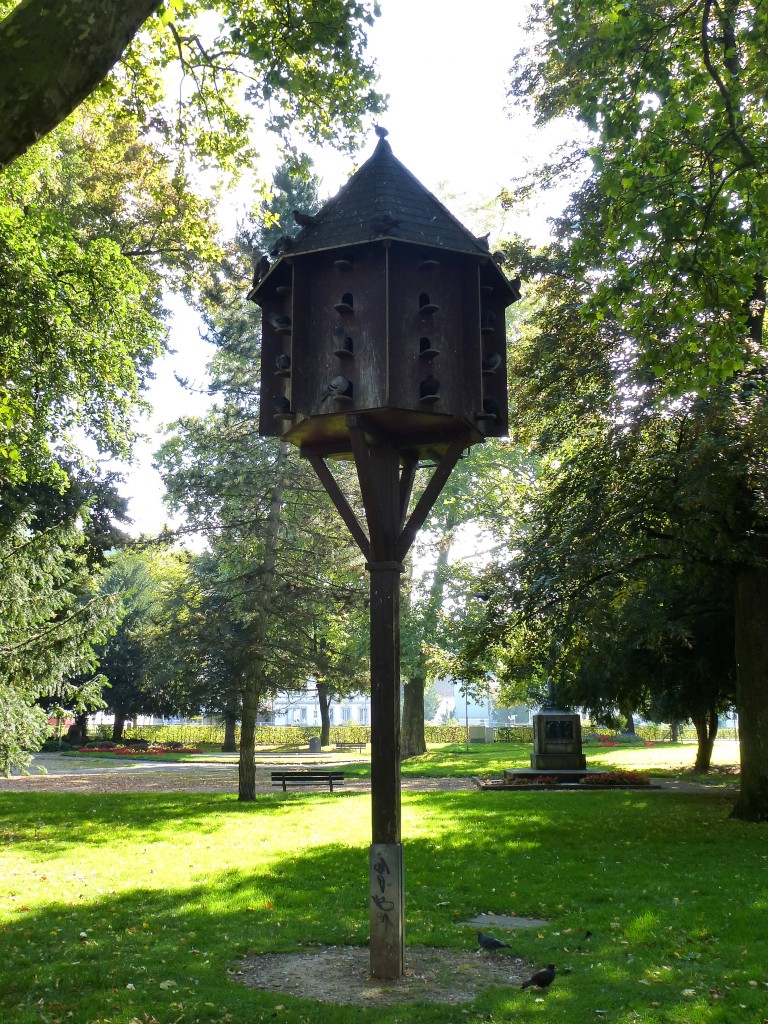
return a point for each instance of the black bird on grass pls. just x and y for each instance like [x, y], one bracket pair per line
[542, 978]
[491, 943]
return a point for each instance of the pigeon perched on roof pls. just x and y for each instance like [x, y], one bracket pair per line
[542, 978]
[283, 244]
[304, 220]
[491, 943]
[381, 132]
[338, 387]
[385, 224]
[261, 269]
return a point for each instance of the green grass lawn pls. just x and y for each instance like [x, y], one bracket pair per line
[666, 760]
[131, 908]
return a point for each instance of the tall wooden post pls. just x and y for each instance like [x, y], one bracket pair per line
[378, 469]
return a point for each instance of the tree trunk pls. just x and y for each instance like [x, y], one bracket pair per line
[674, 732]
[81, 721]
[118, 726]
[412, 737]
[413, 740]
[52, 56]
[752, 690]
[256, 684]
[324, 699]
[246, 774]
[229, 745]
[629, 724]
[706, 733]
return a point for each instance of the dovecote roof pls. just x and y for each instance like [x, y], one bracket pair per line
[383, 199]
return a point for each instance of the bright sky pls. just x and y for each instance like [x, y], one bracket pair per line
[449, 123]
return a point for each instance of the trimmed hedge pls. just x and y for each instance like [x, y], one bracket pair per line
[275, 735]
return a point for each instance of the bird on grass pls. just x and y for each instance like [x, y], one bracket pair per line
[542, 978]
[338, 387]
[491, 943]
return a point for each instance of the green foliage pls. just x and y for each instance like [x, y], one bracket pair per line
[639, 380]
[200, 74]
[675, 204]
[48, 628]
[96, 222]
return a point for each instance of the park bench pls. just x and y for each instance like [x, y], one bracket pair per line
[351, 745]
[319, 778]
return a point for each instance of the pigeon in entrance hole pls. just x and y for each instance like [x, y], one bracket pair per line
[338, 387]
[542, 978]
[490, 943]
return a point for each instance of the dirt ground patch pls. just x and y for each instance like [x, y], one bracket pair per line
[339, 974]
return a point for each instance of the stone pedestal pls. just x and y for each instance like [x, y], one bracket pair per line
[557, 741]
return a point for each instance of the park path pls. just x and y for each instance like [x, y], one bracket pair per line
[72, 775]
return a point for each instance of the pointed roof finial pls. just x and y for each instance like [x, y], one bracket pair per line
[381, 132]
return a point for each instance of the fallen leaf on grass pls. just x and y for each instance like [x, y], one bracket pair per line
[167, 984]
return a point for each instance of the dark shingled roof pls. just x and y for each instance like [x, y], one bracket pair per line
[384, 200]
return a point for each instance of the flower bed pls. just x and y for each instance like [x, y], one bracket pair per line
[535, 780]
[617, 778]
[135, 751]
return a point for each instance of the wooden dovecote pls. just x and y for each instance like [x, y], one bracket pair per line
[387, 308]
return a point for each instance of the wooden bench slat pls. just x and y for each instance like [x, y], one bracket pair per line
[317, 778]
